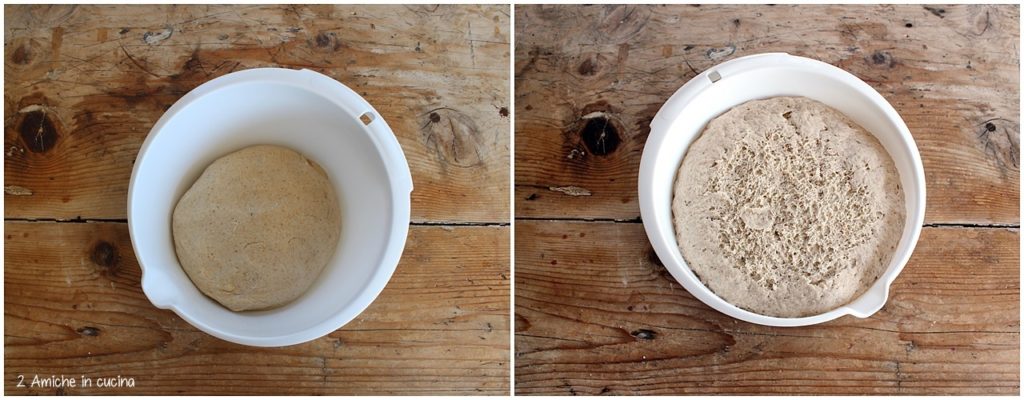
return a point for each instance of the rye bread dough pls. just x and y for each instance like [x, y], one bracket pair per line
[257, 228]
[786, 208]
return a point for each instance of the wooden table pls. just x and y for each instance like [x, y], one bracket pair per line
[596, 313]
[83, 86]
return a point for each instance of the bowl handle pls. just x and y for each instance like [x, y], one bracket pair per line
[870, 302]
[158, 289]
[395, 161]
[396, 164]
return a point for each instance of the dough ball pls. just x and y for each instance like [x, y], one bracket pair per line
[257, 228]
[784, 207]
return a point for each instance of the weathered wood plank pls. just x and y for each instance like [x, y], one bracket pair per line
[84, 84]
[73, 306]
[952, 72]
[597, 314]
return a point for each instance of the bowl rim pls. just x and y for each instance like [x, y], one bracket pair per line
[396, 168]
[863, 306]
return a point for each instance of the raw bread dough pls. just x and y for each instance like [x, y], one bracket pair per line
[257, 228]
[786, 208]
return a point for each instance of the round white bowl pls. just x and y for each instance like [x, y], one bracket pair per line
[307, 112]
[718, 89]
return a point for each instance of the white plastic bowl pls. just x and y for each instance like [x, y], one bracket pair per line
[718, 89]
[314, 115]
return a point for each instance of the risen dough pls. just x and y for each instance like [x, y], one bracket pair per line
[786, 208]
[257, 228]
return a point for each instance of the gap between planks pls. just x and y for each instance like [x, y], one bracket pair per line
[125, 221]
[638, 220]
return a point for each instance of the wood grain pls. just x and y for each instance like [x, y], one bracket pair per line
[73, 306]
[952, 72]
[597, 314]
[84, 84]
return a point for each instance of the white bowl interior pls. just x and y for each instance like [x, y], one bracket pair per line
[232, 118]
[823, 83]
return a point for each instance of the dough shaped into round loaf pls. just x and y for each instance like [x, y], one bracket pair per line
[784, 207]
[257, 228]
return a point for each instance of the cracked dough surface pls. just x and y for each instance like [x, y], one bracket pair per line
[257, 227]
[784, 207]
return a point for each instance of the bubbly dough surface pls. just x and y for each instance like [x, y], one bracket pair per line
[784, 207]
[257, 228]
